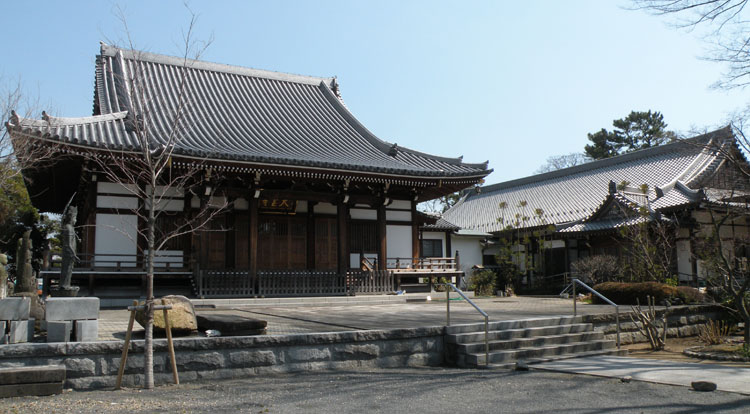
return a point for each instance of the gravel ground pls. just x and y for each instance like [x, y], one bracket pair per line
[433, 390]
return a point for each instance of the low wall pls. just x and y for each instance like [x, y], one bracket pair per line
[92, 365]
[681, 321]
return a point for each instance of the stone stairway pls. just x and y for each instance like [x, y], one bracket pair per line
[531, 340]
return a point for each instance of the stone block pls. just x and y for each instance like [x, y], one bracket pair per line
[69, 309]
[15, 309]
[59, 331]
[21, 390]
[87, 330]
[21, 331]
[32, 374]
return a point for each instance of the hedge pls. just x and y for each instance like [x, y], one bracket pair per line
[627, 293]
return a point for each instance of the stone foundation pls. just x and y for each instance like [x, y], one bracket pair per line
[92, 365]
[682, 321]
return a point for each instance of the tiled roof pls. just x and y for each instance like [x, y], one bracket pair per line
[570, 195]
[235, 114]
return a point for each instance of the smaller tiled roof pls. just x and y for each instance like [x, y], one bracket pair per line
[573, 194]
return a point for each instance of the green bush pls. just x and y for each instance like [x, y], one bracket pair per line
[627, 293]
[483, 283]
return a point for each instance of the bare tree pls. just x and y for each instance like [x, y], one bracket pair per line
[728, 29]
[148, 172]
[558, 162]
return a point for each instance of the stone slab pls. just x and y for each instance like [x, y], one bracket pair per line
[21, 331]
[70, 309]
[231, 325]
[86, 331]
[15, 309]
[22, 390]
[727, 378]
[59, 331]
[32, 374]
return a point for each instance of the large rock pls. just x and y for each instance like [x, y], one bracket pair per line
[181, 316]
[231, 325]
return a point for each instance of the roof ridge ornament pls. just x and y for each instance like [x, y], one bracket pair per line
[393, 151]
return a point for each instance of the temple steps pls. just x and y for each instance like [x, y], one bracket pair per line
[530, 340]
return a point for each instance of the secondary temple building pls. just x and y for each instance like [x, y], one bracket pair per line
[581, 210]
[307, 195]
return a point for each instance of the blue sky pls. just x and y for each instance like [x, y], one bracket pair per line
[509, 82]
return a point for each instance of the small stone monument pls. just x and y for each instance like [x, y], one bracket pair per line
[3, 276]
[68, 236]
[25, 280]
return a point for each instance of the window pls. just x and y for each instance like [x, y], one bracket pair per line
[432, 248]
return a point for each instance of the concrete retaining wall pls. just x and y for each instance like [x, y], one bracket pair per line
[681, 321]
[92, 365]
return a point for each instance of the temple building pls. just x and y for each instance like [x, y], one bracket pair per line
[305, 195]
[585, 210]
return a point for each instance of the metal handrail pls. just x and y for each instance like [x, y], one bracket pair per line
[602, 297]
[483, 313]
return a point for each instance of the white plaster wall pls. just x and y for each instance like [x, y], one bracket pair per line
[363, 214]
[129, 203]
[398, 240]
[469, 251]
[398, 215]
[354, 259]
[325, 208]
[684, 267]
[115, 188]
[115, 234]
[302, 206]
[399, 204]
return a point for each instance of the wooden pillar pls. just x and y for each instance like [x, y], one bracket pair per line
[310, 235]
[229, 237]
[448, 247]
[382, 239]
[414, 234]
[342, 215]
[252, 240]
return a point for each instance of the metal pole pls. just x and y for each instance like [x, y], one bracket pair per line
[486, 342]
[448, 304]
[617, 320]
[574, 297]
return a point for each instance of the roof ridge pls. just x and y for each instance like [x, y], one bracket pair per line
[49, 120]
[111, 51]
[382, 145]
[619, 159]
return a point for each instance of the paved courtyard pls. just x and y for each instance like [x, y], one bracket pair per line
[426, 390]
[307, 318]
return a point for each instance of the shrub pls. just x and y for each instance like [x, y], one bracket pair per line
[483, 283]
[597, 269]
[690, 295]
[627, 293]
[714, 332]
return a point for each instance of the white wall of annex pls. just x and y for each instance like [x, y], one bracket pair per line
[469, 251]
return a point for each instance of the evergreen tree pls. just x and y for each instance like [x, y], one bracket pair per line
[637, 131]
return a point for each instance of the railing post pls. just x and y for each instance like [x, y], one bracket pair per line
[448, 304]
[617, 320]
[574, 297]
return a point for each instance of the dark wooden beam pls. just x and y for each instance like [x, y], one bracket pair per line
[414, 232]
[382, 239]
[342, 216]
[448, 247]
[252, 238]
[310, 235]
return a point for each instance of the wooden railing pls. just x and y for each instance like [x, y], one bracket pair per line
[420, 264]
[291, 283]
[124, 262]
